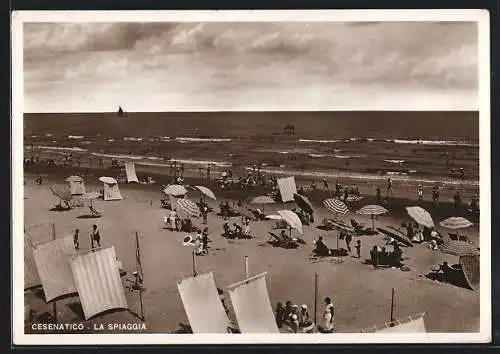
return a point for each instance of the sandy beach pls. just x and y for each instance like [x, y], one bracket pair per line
[361, 293]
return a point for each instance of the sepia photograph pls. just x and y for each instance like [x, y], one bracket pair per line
[251, 176]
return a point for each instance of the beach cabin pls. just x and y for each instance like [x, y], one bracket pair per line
[76, 185]
[111, 190]
[289, 129]
[130, 172]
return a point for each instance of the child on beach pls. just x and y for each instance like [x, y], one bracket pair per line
[358, 248]
[75, 239]
[95, 236]
[348, 240]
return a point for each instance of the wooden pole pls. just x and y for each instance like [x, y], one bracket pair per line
[315, 297]
[392, 308]
[247, 272]
[139, 270]
[54, 303]
[194, 264]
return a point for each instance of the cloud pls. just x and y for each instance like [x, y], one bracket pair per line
[198, 57]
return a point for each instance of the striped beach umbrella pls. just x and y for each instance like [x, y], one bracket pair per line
[420, 215]
[263, 199]
[372, 210]
[175, 190]
[188, 207]
[460, 248]
[455, 223]
[206, 192]
[336, 206]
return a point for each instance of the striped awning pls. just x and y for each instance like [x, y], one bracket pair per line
[372, 210]
[456, 222]
[336, 206]
[420, 215]
[175, 190]
[460, 248]
[188, 207]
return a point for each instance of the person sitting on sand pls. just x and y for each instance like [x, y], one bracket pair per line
[226, 230]
[304, 320]
[396, 256]
[418, 237]
[374, 256]
[433, 245]
[446, 272]
[287, 312]
[237, 231]
[383, 257]
[321, 249]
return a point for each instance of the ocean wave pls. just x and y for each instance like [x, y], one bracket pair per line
[185, 161]
[365, 176]
[321, 155]
[433, 142]
[395, 161]
[75, 136]
[131, 138]
[285, 152]
[210, 140]
[48, 134]
[118, 156]
[61, 148]
[318, 141]
[347, 156]
[111, 140]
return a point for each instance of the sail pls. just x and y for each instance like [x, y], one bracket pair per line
[121, 112]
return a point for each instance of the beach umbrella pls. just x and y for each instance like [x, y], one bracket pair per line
[303, 203]
[340, 226]
[292, 219]
[188, 207]
[273, 217]
[336, 206]
[372, 210]
[175, 190]
[456, 222]
[263, 199]
[244, 213]
[460, 248]
[108, 180]
[207, 192]
[421, 216]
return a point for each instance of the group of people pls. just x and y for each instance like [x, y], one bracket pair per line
[322, 250]
[201, 242]
[236, 231]
[381, 257]
[174, 223]
[418, 235]
[95, 238]
[299, 321]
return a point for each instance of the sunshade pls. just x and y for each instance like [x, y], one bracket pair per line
[404, 240]
[292, 219]
[303, 203]
[175, 190]
[336, 206]
[340, 226]
[456, 222]
[188, 207]
[74, 179]
[243, 212]
[263, 199]
[420, 215]
[273, 217]
[108, 180]
[61, 192]
[460, 248]
[372, 210]
[206, 192]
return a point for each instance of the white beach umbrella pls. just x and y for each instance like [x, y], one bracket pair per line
[292, 219]
[420, 215]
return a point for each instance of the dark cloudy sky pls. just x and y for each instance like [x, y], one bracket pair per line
[93, 67]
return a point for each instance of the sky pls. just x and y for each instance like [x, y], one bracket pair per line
[223, 66]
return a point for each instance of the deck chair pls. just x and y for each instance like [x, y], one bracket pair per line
[359, 228]
[94, 213]
[453, 237]
[278, 240]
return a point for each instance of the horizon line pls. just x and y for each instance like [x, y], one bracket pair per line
[265, 111]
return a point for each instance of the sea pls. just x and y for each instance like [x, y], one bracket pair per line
[415, 146]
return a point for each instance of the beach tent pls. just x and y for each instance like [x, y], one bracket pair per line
[34, 236]
[202, 304]
[111, 190]
[98, 281]
[130, 171]
[287, 188]
[252, 306]
[410, 324]
[470, 268]
[52, 263]
[76, 185]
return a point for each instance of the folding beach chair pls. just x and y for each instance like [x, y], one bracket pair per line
[278, 240]
[93, 212]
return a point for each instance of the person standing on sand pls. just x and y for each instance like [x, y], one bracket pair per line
[101, 165]
[379, 195]
[420, 192]
[457, 199]
[75, 239]
[325, 183]
[348, 240]
[389, 187]
[358, 248]
[208, 173]
[205, 213]
[95, 236]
